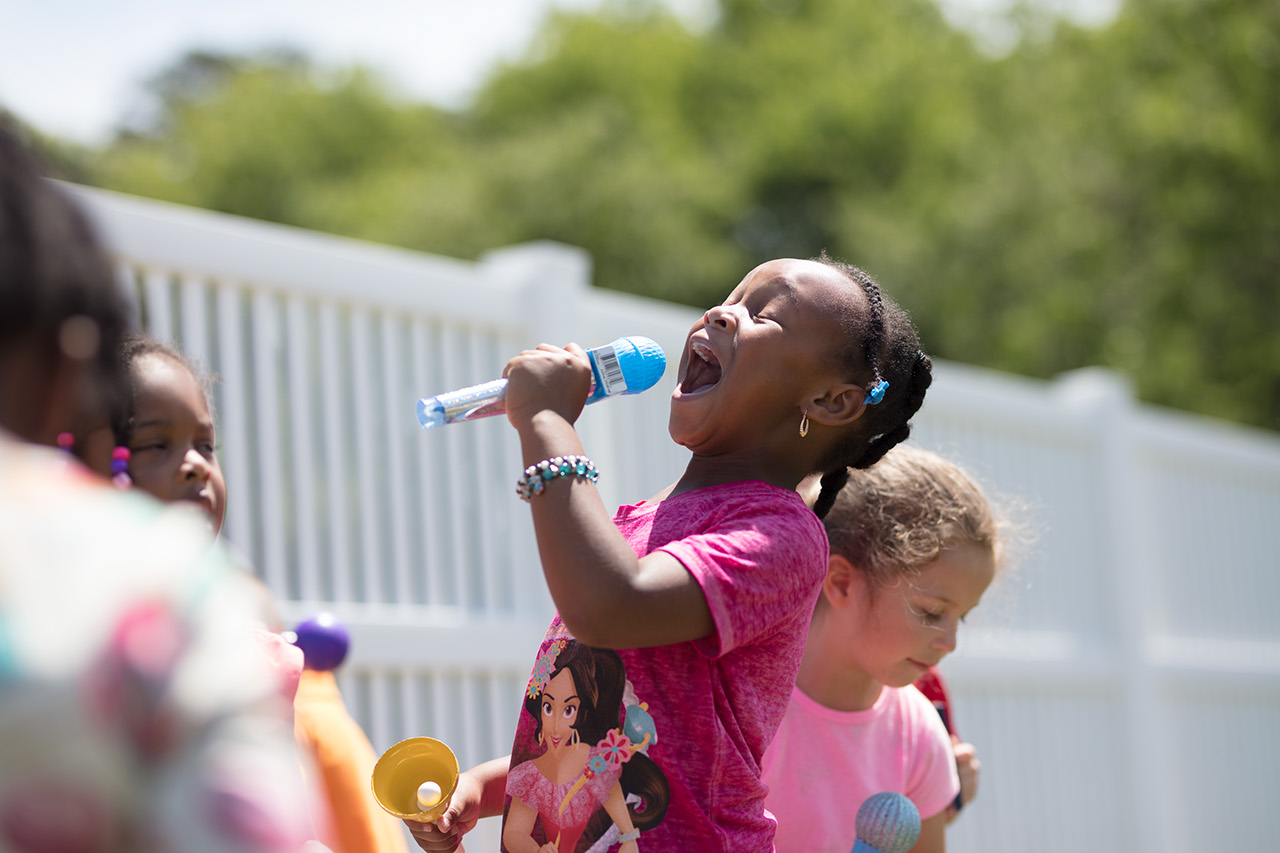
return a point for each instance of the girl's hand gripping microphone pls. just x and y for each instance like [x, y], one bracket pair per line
[625, 366]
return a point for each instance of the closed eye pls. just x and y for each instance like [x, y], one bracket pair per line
[930, 617]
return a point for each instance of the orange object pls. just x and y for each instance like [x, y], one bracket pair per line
[344, 760]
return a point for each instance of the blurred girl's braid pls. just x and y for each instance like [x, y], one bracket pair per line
[891, 349]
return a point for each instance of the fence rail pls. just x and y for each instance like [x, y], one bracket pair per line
[1122, 685]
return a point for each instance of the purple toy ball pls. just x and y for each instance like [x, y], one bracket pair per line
[324, 642]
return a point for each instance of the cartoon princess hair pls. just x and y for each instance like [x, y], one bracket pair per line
[608, 719]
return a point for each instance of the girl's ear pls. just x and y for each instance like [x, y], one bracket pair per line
[840, 405]
[840, 584]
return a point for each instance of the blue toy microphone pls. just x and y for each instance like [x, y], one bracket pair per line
[887, 822]
[625, 366]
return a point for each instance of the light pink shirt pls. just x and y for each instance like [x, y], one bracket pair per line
[823, 764]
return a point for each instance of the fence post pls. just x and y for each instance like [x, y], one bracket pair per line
[1107, 398]
[550, 281]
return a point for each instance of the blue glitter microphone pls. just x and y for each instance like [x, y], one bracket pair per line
[625, 366]
[887, 822]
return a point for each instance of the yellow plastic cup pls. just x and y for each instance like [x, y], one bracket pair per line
[404, 767]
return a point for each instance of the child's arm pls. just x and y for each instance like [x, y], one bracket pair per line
[967, 767]
[933, 838]
[479, 793]
[605, 595]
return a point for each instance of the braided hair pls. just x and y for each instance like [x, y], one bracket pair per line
[889, 349]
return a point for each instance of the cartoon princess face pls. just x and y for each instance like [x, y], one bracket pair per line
[559, 706]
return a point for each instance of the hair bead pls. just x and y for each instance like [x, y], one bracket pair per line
[120, 467]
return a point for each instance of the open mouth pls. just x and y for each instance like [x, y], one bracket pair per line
[203, 500]
[703, 371]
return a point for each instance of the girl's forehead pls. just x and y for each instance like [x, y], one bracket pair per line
[785, 271]
[803, 282]
[156, 367]
[961, 573]
[163, 381]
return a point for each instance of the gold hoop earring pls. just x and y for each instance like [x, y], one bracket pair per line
[804, 424]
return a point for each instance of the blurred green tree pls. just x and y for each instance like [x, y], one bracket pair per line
[273, 137]
[1088, 196]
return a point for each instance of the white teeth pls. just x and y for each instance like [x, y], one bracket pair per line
[703, 352]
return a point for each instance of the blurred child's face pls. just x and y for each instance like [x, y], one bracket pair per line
[911, 625]
[172, 441]
[749, 363]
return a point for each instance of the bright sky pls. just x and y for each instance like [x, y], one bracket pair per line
[74, 68]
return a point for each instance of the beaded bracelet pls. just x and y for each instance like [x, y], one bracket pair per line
[536, 476]
[629, 836]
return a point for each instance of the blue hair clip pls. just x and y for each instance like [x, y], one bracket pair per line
[876, 392]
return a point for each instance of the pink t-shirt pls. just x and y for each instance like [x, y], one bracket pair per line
[687, 724]
[824, 764]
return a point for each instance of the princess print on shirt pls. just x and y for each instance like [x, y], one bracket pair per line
[580, 779]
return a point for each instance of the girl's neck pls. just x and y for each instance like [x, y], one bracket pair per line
[703, 471]
[827, 677]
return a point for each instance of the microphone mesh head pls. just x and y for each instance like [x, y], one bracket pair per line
[642, 362]
[888, 822]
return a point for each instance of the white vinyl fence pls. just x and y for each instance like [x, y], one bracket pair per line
[1122, 684]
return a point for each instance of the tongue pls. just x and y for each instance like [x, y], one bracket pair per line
[700, 375]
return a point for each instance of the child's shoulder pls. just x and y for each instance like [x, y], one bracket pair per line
[917, 712]
[725, 503]
[740, 493]
[771, 524]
